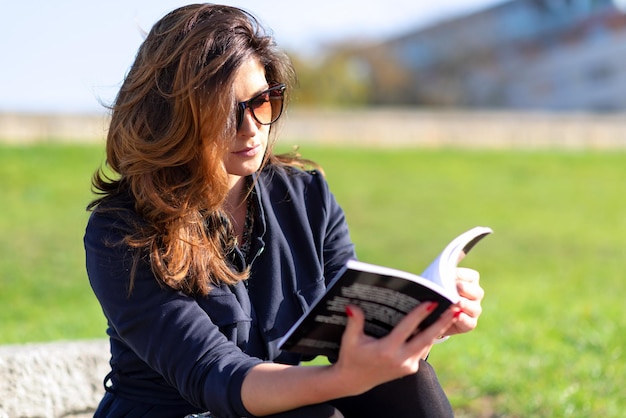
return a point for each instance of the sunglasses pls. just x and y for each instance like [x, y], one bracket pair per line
[266, 107]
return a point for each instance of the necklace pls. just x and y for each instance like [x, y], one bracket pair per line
[247, 228]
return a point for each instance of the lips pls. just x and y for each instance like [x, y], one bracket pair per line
[248, 151]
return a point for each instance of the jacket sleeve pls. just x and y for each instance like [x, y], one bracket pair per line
[166, 329]
[337, 246]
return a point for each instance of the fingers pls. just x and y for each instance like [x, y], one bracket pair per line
[407, 327]
[465, 274]
[354, 326]
[420, 343]
[471, 308]
[468, 285]
[470, 291]
[471, 297]
[396, 354]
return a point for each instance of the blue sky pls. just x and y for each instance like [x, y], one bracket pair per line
[61, 56]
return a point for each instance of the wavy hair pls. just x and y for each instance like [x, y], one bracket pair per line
[171, 124]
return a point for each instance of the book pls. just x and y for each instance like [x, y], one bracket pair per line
[385, 295]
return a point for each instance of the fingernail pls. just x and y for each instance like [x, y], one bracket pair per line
[458, 313]
[431, 307]
[348, 311]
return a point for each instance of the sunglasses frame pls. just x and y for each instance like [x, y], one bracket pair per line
[242, 106]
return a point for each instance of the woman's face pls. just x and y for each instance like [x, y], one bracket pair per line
[247, 150]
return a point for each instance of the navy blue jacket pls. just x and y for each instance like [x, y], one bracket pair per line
[188, 354]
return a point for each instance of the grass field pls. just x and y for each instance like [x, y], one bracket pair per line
[551, 339]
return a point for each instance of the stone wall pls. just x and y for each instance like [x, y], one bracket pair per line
[458, 129]
[24, 128]
[52, 380]
[378, 127]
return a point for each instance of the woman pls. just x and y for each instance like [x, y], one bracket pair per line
[204, 247]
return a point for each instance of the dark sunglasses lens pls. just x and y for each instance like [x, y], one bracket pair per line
[266, 107]
[276, 101]
[241, 109]
[261, 107]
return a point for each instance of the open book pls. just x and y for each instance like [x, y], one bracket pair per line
[384, 294]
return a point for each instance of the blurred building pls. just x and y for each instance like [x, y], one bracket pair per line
[520, 54]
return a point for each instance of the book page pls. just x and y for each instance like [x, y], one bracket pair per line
[442, 270]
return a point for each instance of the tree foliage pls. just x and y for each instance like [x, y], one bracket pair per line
[335, 79]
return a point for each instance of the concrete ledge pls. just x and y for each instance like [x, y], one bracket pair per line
[52, 380]
[486, 129]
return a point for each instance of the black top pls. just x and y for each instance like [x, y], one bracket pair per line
[192, 353]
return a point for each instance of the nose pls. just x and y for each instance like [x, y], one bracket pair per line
[248, 124]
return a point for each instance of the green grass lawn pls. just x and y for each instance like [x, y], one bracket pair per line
[551, 339]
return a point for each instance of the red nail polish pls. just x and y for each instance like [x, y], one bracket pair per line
[431, 307]
[348, 311]
[458, 313]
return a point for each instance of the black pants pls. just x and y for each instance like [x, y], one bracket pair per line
[416, 396]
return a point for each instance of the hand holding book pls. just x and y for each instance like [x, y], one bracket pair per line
[471, 295]
[385, 295]
[358, 349]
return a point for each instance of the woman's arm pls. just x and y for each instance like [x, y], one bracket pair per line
[364, 362]
[167, 331]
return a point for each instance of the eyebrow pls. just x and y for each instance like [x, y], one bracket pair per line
[267, 86]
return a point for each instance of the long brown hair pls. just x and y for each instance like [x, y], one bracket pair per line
[171, 124]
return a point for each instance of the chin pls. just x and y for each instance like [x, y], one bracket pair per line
[243, 171]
